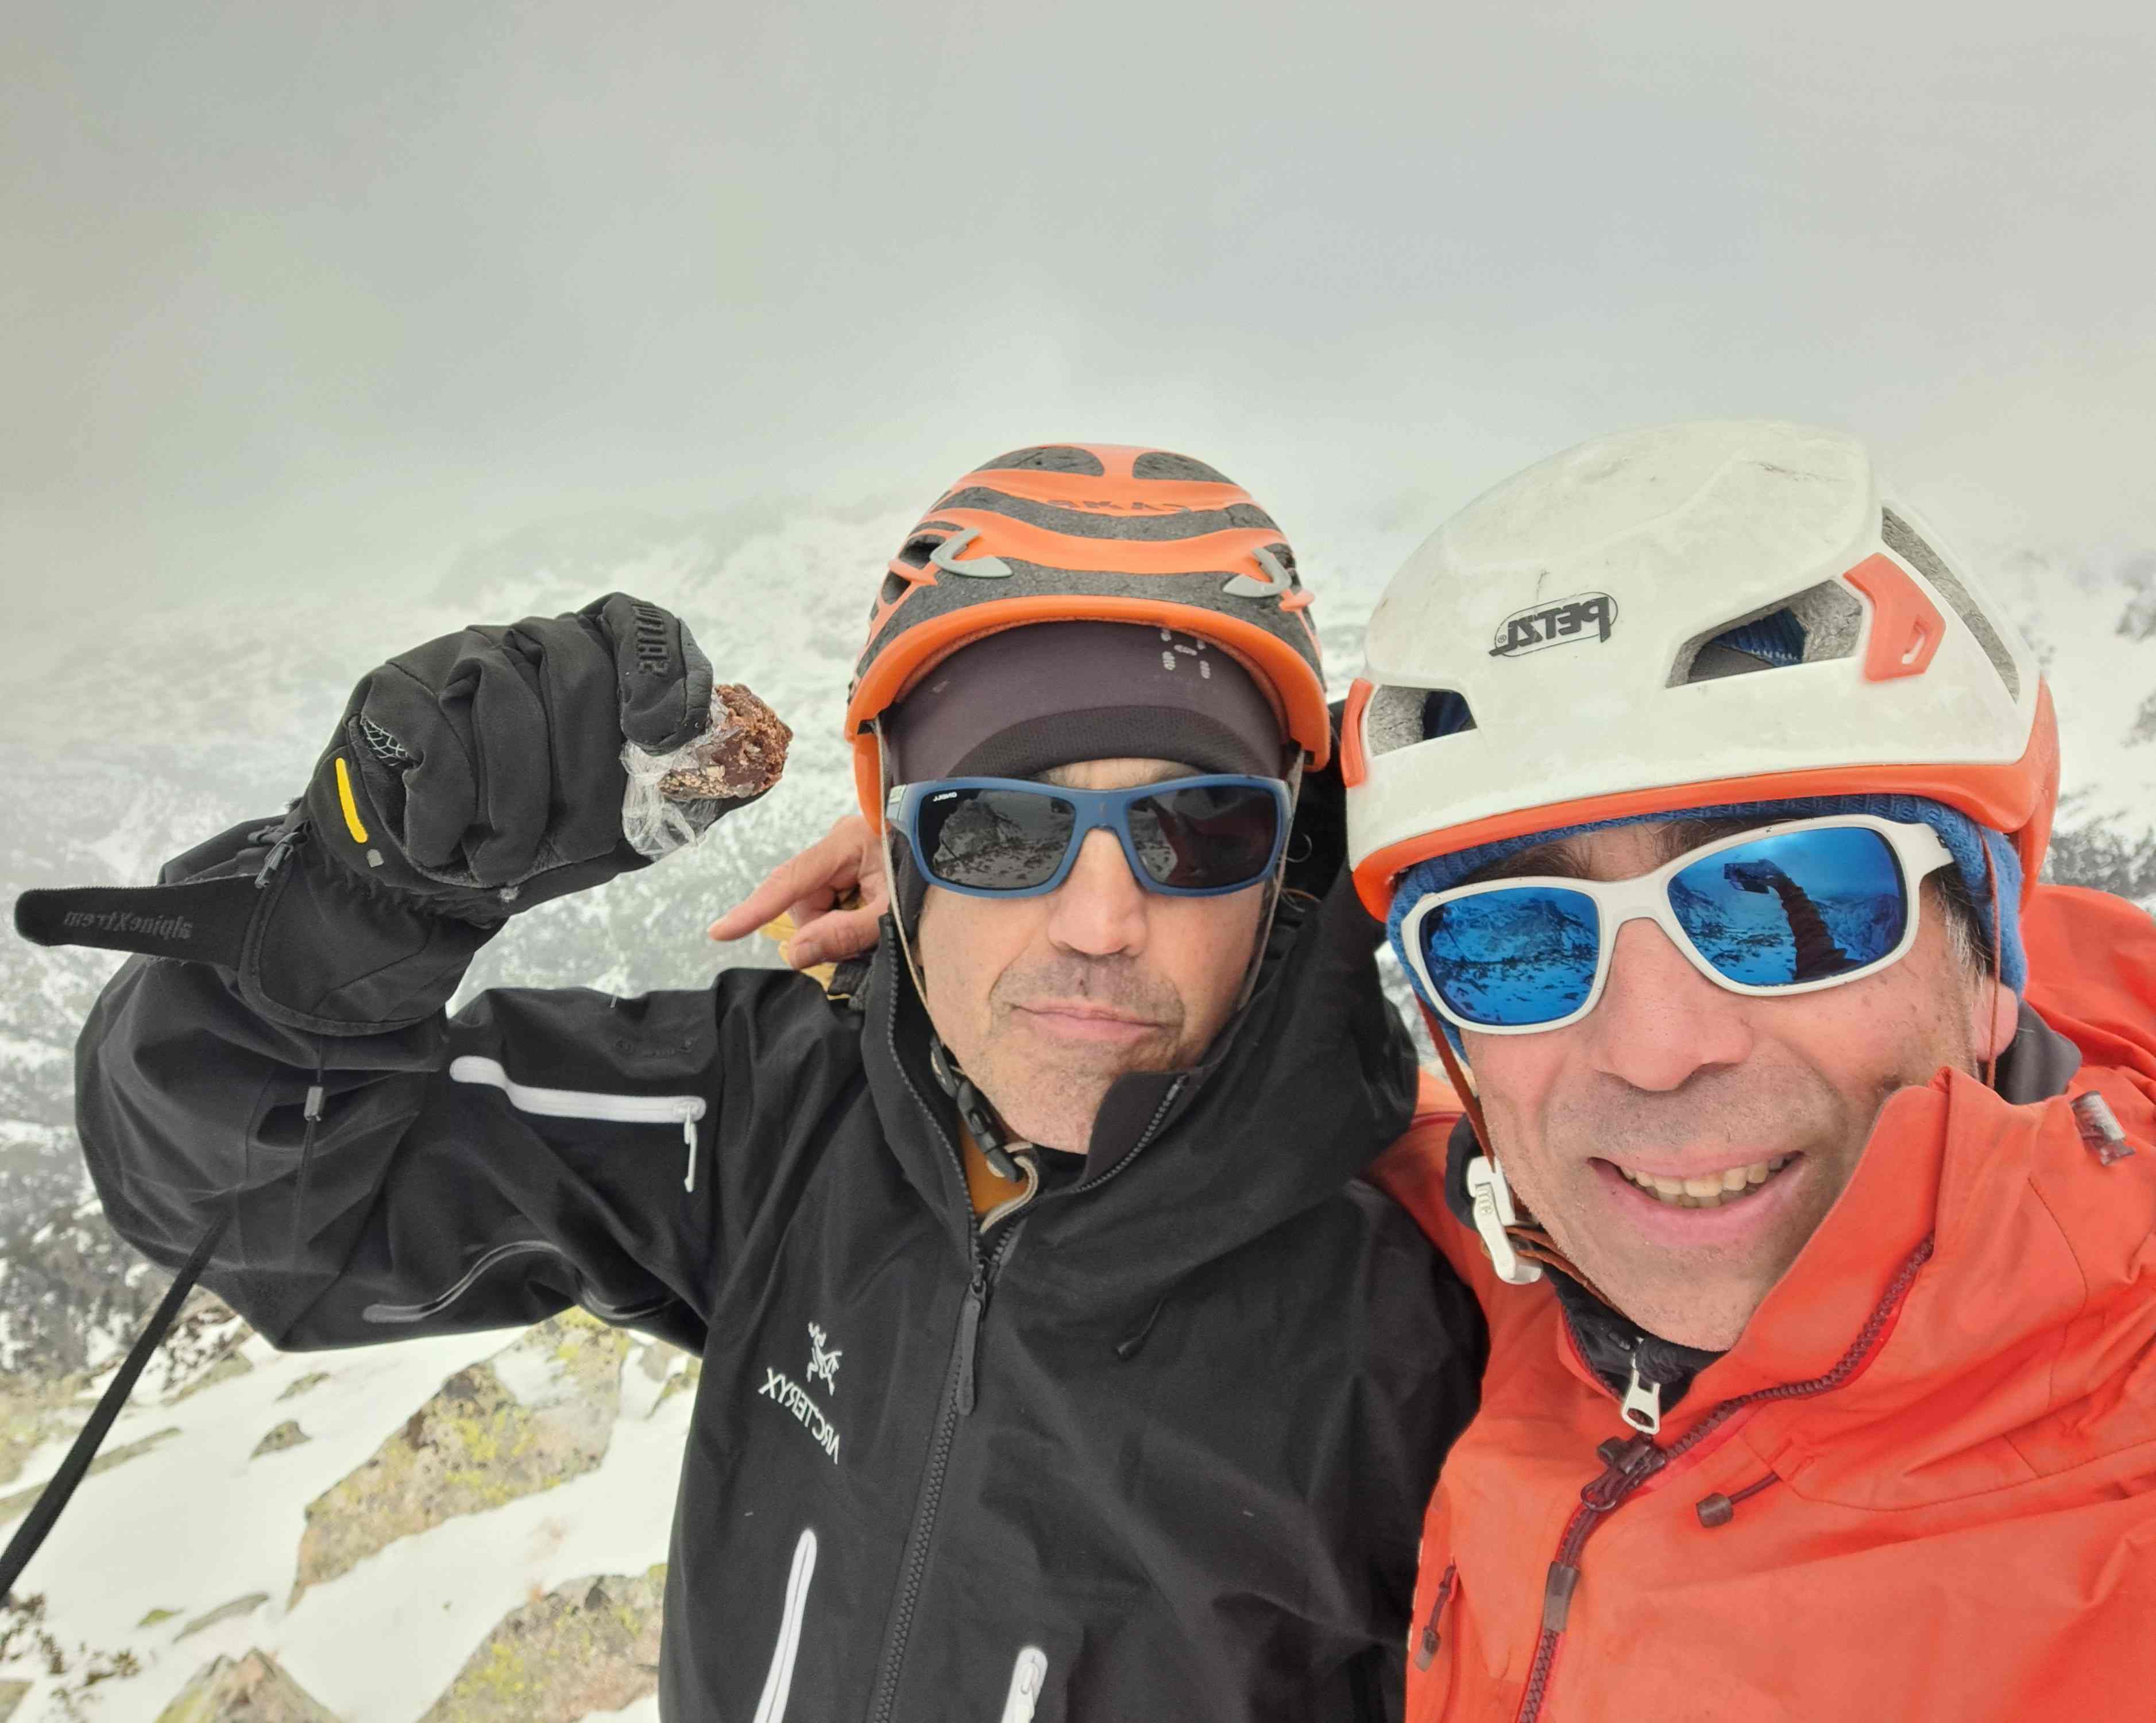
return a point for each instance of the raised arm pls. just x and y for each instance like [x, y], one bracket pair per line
[389, 1171]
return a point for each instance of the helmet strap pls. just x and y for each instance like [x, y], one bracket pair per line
[890, 872]
[1514, 1246]
[975, 1110]
[1273, 888]
[1998, 956]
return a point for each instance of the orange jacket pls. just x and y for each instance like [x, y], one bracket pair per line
[1930, 1460]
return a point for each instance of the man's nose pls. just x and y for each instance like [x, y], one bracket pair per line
[1660, 1021]
[1099, 910]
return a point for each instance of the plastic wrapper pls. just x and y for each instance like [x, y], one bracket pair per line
[673, 798]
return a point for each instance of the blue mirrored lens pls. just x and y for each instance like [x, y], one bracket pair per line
[1802, 906]
[1509, 958]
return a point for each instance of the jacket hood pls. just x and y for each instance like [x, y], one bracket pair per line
[1315, 1076]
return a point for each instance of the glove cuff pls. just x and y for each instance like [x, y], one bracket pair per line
[308, 944]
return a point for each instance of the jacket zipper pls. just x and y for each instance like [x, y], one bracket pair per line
[958, 1393]
[1628, 1464]
[682, 1109]
[1152, 1125]
[958, 1399]
[1029, 1674]
[779, 1679]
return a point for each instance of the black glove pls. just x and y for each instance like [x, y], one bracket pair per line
[481, 772]
[471, 777]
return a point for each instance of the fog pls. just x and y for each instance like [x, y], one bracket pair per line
[320, 296]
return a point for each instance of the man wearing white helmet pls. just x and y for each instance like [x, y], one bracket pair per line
[1805, 1174]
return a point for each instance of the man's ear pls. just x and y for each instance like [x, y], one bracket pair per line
[1994, 1014]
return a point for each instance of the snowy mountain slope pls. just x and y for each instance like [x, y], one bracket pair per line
[2093, 619]
[198, 1524]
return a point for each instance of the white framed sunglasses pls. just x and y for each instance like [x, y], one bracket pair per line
[1789, 908]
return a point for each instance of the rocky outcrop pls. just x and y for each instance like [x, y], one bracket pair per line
[30, 1416]
[223, 1611]
[590, 1645]
[682, 1380]
[254, 1688]
[288, 1434]
[535, 1415]
[226, 1367]
[655, 1373]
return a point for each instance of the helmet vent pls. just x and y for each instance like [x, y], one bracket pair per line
[1160, 464]
[1821, 622]
[1048, 458]
[1927, 562]
[914, 553]
[1400, 717]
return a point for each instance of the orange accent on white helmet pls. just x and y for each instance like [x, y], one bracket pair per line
[1098, 532]
[1679, 616]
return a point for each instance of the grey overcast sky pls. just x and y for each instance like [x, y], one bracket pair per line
[298, 291]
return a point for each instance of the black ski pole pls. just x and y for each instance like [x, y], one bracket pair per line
[76, 1466]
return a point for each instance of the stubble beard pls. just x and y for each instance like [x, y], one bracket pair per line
[1704, 1297]
[1051, 1094]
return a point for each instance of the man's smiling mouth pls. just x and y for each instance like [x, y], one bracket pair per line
[1712, 1190]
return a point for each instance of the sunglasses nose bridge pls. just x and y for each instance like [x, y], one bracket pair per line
[1619, 902]
[1644, 898]
[1099, 812]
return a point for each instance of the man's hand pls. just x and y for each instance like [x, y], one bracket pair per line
[834, 891]
[480, 773]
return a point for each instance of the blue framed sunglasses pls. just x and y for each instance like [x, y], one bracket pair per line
[1008, 836]
[1786, 908]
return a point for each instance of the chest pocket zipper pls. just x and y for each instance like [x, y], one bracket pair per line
[1429, 1638]
[778, 1680]
[1029, 1675]
[681, 1109]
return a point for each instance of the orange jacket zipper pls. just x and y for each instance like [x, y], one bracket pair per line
[1628, 1464]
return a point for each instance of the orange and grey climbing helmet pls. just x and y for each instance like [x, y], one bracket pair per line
[1075, 532]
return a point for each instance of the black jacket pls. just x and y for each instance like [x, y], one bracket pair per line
[1156, 1448]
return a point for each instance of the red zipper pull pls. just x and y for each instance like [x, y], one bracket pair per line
[1426, 1648]
[1625, 1466]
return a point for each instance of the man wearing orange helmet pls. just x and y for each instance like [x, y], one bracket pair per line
[1055, 1366]
[1806, 1175]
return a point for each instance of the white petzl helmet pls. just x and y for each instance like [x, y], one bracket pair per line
[1682, 617]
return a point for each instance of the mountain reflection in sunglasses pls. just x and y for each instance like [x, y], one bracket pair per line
[1785, 909]
[1203, 836]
